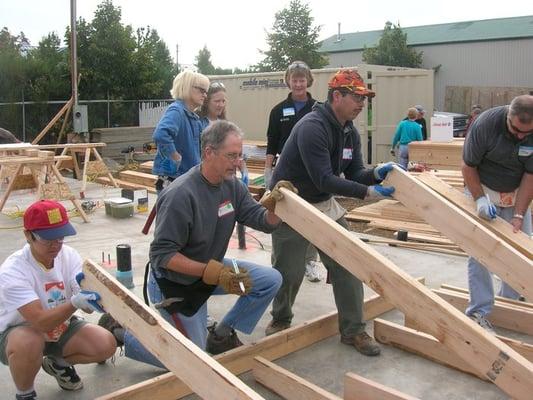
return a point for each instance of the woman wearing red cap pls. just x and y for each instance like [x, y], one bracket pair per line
[39, 293]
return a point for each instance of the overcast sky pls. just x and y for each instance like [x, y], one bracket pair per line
[234, 30]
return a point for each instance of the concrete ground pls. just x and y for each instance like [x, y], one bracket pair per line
[324, 363]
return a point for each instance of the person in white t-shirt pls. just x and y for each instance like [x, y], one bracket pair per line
[39, 293]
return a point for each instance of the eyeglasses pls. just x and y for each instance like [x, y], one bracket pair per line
[514, 128]
[234, 156]
[201, 90]
[47, 242]
[359, 98]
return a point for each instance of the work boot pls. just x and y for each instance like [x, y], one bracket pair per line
[480, 319]
[106, 321]
[276, 326]
[363, 343]
[219, 344]
[66, 376]
[312, 272]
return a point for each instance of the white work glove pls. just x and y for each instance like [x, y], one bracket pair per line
[87, 301]
[485, 208]
[268, 177]
[378, 192]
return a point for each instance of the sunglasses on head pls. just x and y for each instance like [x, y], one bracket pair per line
[217, 85]
[295, 65]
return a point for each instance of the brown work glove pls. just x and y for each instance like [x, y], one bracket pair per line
[216, 273]
[270, 198]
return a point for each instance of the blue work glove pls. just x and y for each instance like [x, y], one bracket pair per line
[378, 192]
[485, 208]
[87, 300]
[381, 171]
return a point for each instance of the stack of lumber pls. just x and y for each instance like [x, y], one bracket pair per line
[393, 216]
[451, 177]
[118, 139]
[437, 155]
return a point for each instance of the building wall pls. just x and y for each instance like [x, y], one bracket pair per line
[504, 63]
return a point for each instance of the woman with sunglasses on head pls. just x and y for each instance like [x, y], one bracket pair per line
[282, 119]
[177, 135]
[214, 106]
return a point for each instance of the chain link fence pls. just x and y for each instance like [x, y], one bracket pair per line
[26, 119]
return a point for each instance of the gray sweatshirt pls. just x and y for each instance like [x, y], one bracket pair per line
[196, 219]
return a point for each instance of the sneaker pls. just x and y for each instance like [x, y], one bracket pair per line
[106, 321]
[27, 396]
[219, 344]
[276, 326]
[66, 377]
[311, 271]
[483, 322]
[363, 343]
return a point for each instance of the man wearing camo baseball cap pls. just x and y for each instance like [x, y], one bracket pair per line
[323, 145]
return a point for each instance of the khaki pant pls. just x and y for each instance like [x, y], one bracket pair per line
[288, 257]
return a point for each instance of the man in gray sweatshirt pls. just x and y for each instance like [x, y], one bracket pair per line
[196, 215]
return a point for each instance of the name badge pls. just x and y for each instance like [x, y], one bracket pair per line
[347, 154]
[225, 208]
[288, 112]
[525, 151]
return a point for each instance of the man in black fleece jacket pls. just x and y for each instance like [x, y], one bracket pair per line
[322, 145]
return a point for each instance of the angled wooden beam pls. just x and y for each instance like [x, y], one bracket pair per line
[498, 226]
[525, 349]
[505, 367]
[67, 105]
[286, 384]
[516, 303]
[495, 254]
[422, 344]
[199, 371]
[240, 360]
[504, 315]
[358, 388]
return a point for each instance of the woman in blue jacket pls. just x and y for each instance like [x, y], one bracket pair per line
[177, 136]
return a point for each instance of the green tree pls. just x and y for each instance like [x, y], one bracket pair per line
[293, 37]
[203, 62]
[154, 69]
[392, 49]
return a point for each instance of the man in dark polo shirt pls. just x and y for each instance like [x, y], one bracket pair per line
[498, 173]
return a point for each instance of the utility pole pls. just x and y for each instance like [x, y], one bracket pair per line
[73, 53]
[177, 54]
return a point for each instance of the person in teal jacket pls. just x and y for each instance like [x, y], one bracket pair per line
[177, 135]
[407, 131]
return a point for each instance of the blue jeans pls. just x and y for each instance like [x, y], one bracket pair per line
[243, 316]
[480, 278]
[403, 155]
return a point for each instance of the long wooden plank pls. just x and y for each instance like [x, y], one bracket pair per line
[498, 226]
[495, 254]
[508, 369]
[286, 384]
[201, 373]
[358, 388]
[240, 360]
[503, 315]
[516, 303]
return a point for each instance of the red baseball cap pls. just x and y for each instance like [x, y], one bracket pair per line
[351, 80]
[48, 219]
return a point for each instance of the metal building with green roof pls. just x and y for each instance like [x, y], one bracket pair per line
[493, 53]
